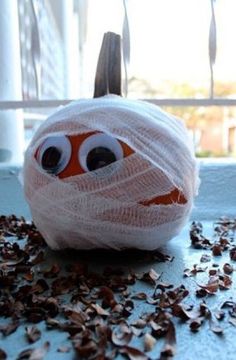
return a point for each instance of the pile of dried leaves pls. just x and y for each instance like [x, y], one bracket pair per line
[99, 315]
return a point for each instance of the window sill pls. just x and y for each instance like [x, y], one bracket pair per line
[217, 195]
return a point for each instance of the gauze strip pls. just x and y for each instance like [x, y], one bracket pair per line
[102, 208]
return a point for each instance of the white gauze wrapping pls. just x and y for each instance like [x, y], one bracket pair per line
[100, 209]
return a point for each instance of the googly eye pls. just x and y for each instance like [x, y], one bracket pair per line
[54, 154]
[99, 150]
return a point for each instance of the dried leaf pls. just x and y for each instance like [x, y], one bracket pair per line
[225, 282]
[33, 333]
[34, 354]
[108, 296]
[228, 269]
[185, 311]
[232, 253]
[99, 310]
[3, 354]
[9, 328]
[220, 314]
[87, 349]
[192, 272]
[216, 250]
[121, 335]
[212, 286]
[195, 324]
[139, 296]
[38, 258]
[169, 348]
[205, 258]
[29, 276]
[149, 342]
[133, 353]
[151, 277]
[216, 328]
[52, 272]
[140, 324]
[232, 321]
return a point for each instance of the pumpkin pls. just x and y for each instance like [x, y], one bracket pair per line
[110, 172]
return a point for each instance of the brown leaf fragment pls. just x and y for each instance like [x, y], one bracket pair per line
[228, 269]
[197, 239]
[195, 324]
[34, 354]
[149, 342]
[204, 311]
[228, 303]
[108, 297]
[159, 323]
[33, 333]
[8, 329]
[216, 250]
[77, 316]
[38, 258]
[185, 311]
[201, 293]
[52, 272]
[232, 253]
[225, 244]
[39, 287]
[225, 282]
[121, 334]
[133, 353]
[3, 354]
[212, 286]
[85, 349]
[192, 272]
[64, 349]
[232, 321]
[169, 348]
[163, 286]
[205, 258]
[214, 326]
[136, 331]
[56, 324]
[140, 324]
[213, 272]
[29, 276]
[220, 315]
[118, 308]
[99, 310]
[151, 277]
[127, 308]
[139, 296]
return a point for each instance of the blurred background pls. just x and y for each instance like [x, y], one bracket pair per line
[182, 56]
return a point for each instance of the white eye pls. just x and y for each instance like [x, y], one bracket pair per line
[54, 154]
[99, 150]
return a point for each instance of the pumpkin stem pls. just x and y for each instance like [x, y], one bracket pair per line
[108, 73]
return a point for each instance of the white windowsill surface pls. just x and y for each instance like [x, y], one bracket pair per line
[217, 197]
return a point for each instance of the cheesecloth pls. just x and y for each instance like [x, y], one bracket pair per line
[101, 209]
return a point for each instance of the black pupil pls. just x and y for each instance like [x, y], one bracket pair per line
[50, 159]
[100, 157]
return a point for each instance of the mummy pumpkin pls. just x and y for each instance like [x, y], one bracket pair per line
[112, 173]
